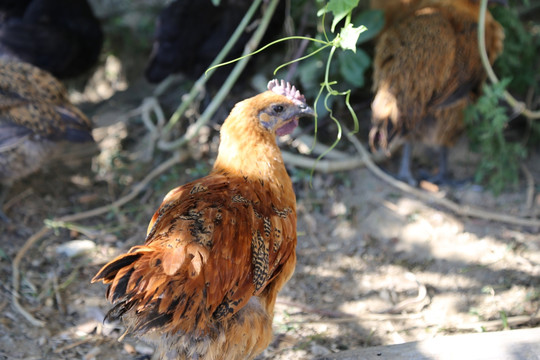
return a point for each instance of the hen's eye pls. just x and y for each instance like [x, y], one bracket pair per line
[277, 108]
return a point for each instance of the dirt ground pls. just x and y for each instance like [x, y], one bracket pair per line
[375, 265]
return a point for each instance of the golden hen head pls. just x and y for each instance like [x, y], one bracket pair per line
[276, 111]
[248, 135]
[283, 115]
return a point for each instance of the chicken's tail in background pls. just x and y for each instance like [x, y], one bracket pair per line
[78, 127]
[384, 112]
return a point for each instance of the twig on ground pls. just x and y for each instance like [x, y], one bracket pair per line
[57, 295]
[499, 323]
[334, 165]
[17, 198]
[401, 306]
[459, 209]
[148, 106]
[166, 84]
[365, 159]
[78, 343]
[304, 145]
[324, 166]
[15, 276]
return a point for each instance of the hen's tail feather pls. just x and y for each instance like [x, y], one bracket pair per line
[154, 319]
[119, 273]
[78, 135]
[108, 272]
[119, 310]
[120, 285]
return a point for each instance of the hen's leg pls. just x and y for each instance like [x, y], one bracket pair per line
[441, 177]
[405, 173]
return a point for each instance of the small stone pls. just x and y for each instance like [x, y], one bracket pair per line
[144, 349]
[76, 248]
[130, 349]
[319, 350]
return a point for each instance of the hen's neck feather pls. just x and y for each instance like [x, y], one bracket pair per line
[249, 150]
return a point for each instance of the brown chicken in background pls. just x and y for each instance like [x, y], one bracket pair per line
[35, 116]
[427, 69]
[219, 249]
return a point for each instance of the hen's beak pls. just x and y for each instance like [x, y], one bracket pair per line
[294, 115]
[304, 111]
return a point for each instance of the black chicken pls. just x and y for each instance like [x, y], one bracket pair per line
[184, 43]
[12, 8]
[60, 36]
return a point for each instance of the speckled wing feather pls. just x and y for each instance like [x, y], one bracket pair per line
[212, 245]
[33, 99]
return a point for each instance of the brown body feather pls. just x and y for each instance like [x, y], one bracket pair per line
[35, 116]
[427, 69]
[217, 251]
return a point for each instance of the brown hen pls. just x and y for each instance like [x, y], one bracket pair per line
[218, 249]
[35, 117]
[427, 69]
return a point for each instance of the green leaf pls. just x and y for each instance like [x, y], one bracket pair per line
[352, 66]
[349, 36]
[373, 20]
[340, 9]
[486, 124]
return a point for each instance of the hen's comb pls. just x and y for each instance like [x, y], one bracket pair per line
[287, 90]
